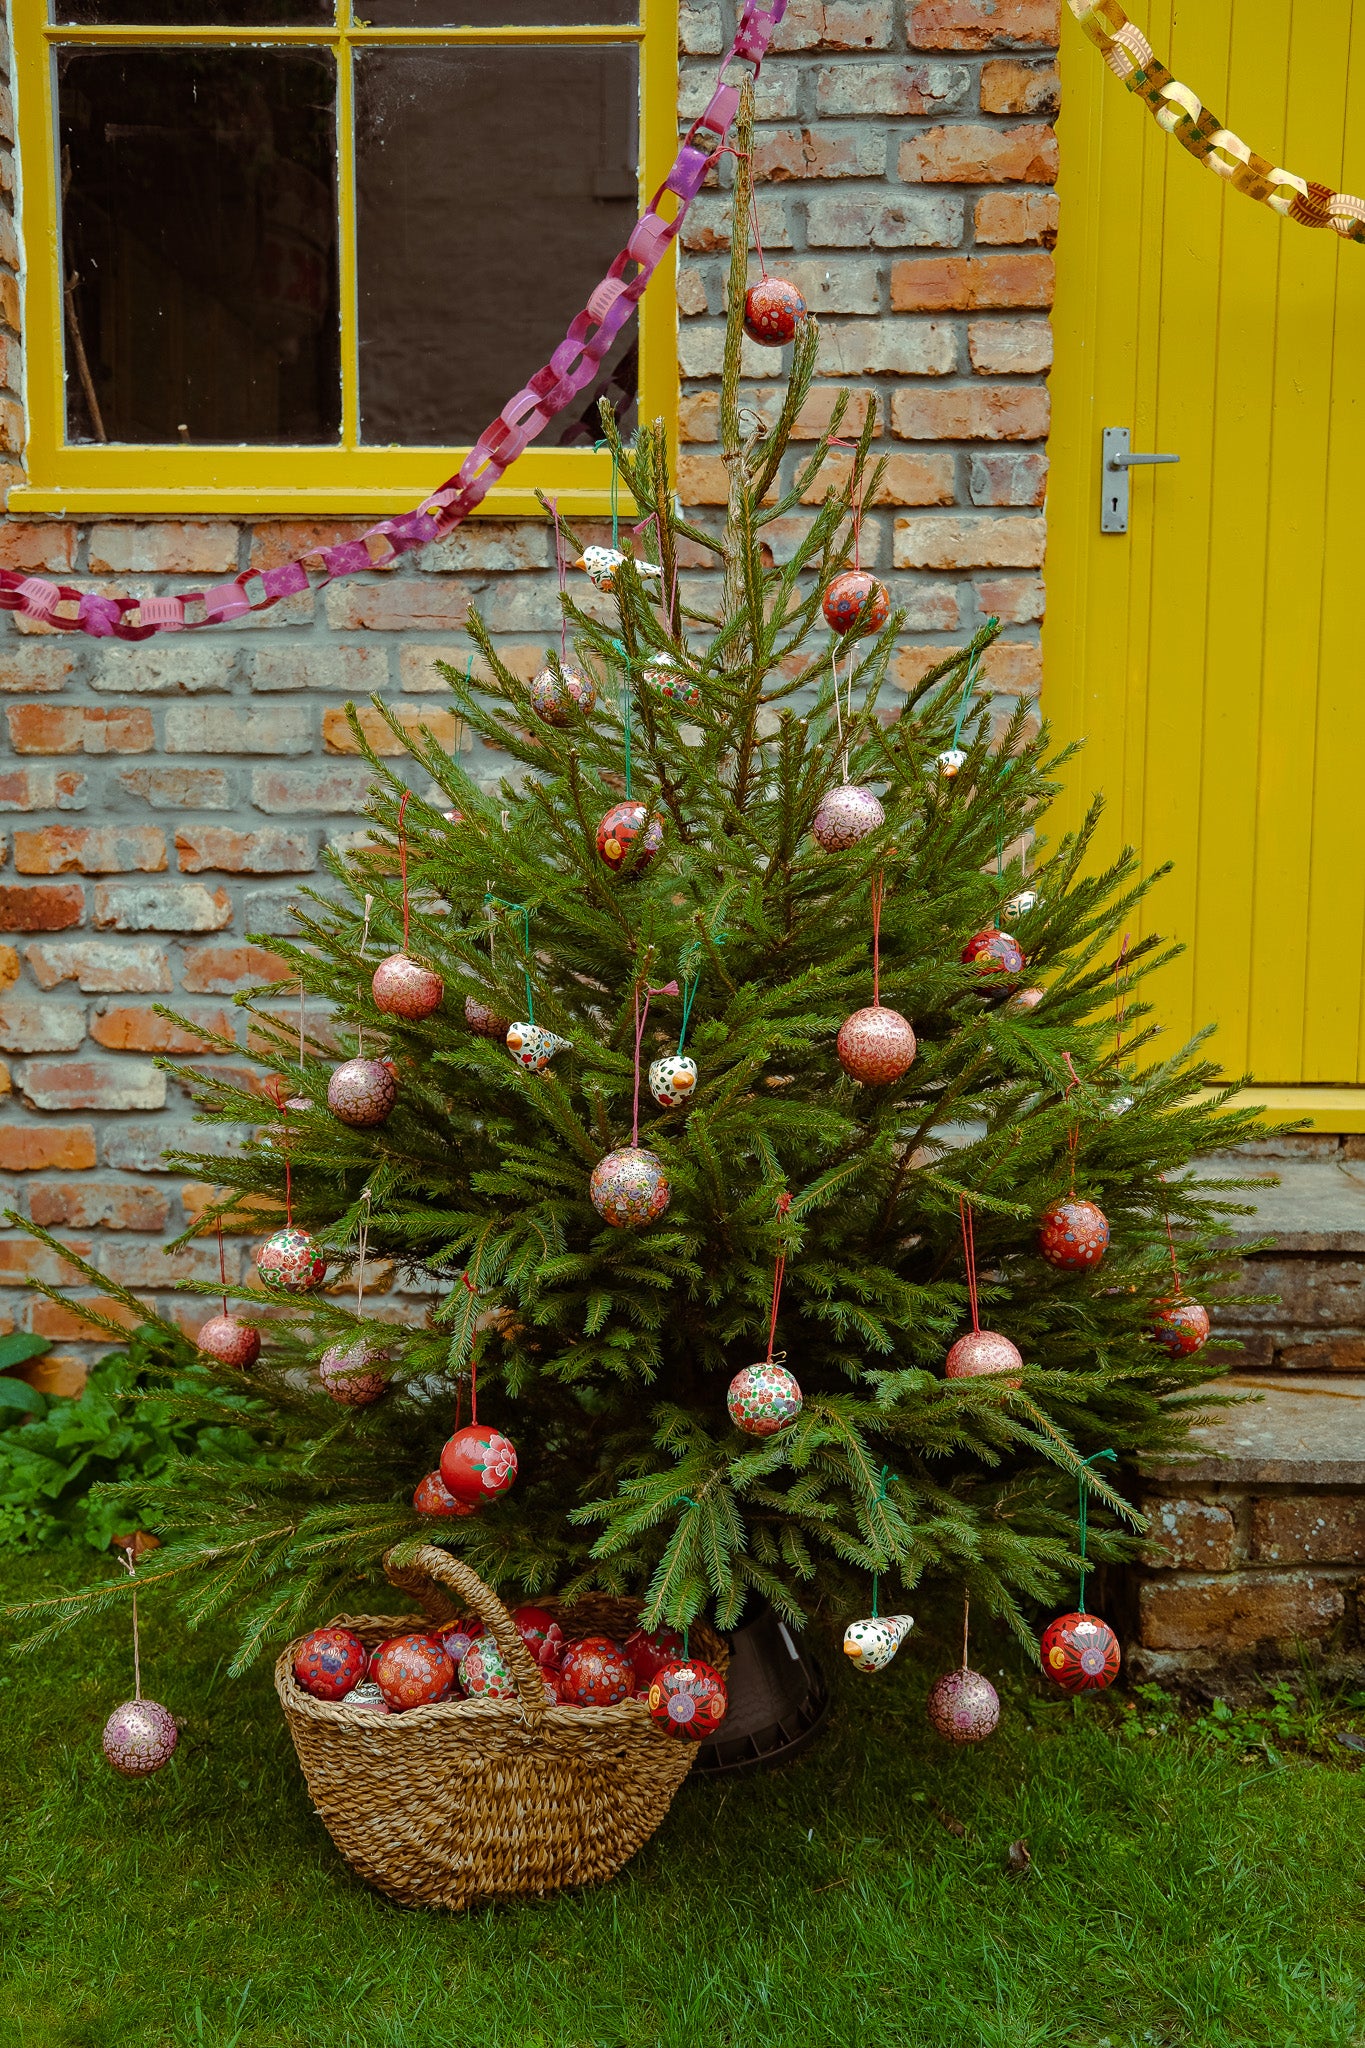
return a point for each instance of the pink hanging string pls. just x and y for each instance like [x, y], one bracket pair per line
[403, 862]
[784, 1202]
[878, 892]
[277, 1096]
[1073, 1135]
[222, 1264]
[561, 572]
[473, 1363]
[964, 1210]
[670, 988]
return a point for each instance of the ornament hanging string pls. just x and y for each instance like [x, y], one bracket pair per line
[855, 510]
[362, 1248]
[1120, 996]
[878, 893]
[302, 1076]
[669, 988]
[964, 1208]
[562, 574]
[671, 613]
[403, 862]
[524, 911]
[966, 1616]
[691, 983]
[222, 1264]
[627, 710]
[969, 683]
[277, 1092]
[129, 1564]
[784, 1202]
[1081, 1517]
[364, 942]
[876, 1576]
[1170, 1239]
[597, 448]
[1073, 1130]
[473, 1360]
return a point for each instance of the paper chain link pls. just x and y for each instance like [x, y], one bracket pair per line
[570, 369]
[1176, 109]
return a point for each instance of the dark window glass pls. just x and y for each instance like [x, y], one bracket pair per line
[199, 244]
[196, 13]
[501, 13]
[494, 186]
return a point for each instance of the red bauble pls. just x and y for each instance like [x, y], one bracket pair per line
[688, 1699]
[1073, 1236]
[537, 1629]
[1080, 1653]
[847, 595]
[981, 1353]
[230, 1342]
[456, 1636]
[478, 1463]
[1180, 1327]
[414, 1671]
[994, 952]
[772, 308]
[650, 1649]
[329, 1662]
[595, 1673]
[876, 1045]
[620, 829]
[402, 987]
[433, 1497]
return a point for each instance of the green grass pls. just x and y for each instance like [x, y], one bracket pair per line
[1182, 1891]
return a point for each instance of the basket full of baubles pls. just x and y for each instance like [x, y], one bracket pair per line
[466, 1753]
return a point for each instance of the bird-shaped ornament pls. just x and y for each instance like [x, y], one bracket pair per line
[872, 1643]
[601, 565]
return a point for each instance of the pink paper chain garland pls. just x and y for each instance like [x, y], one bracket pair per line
[570, 369]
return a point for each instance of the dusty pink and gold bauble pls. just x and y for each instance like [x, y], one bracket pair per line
[963, 1706]
[347, 1374]
[362, 1093]
[478, 1463]
[688, 1699]
[402, 987]
[763, 1398]
[1180, 1326]
[229, 1341]
[560, 693]
[981, 1353]
[291, 1260]
[1073, 1235]
[595, 1673]
[1080, 1653]
[139, 1737]
[329, 1662]
[431, 1496]
[994, 952]
[621, 828]
[876, 1045]
[487, 1023]
[629, 1188]
[845, 816]
[414, 1671]
[772, 308]
[847, 595]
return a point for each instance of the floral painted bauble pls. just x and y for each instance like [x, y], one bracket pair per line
[673, 1080]
[772, 308]
[292, 1261]
[230, 1342]
[1118, 1105]
[533, 1048]
[688, 1699]
[1021, 904]
[362, 1093]
[329, 1662]
[994, 952]
[629, 1188]
[847, 595]
[485, 1022]
[1180, 1327]
[763, 1398]
[650, 1649]
[478, 1463]
[1023, 1000]
[601, 565]
[1080, 1653]
[982, 1352]
[661, 673]
[457, 1636]
[595, 1672]
[871, 1644]
[432, 1496]
[366, 1694]
[619, 831]
[539, 1631]
[560, 693]
[963, 1706]
[950, 763]
[414, 1671]
[299, 1105]
[845, 816]
[347, 1374]
[875, 1045]
[484, 1673]
[1073, 1236]
[139, 1737]
[402, 987]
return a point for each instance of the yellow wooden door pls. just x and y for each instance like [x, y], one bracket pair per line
[1212, 656]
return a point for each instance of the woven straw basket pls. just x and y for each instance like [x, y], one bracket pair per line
[485, 1799]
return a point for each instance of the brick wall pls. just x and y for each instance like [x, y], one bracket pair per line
[163, 802]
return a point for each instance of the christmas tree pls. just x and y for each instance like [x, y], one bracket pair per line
[715, 848]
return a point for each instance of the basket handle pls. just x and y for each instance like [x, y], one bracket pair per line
[431, 1566]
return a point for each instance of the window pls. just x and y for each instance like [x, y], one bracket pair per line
[294, 255]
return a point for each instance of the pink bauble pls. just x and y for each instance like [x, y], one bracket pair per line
[847, 595]
[650, 1649]
[230, 1342]
[1080, 1653]
[484, 1673]
[1073, 1236]
[290, 1260]
[629, 1188]
[487, 1023]
[478, 1463]
[983, 1352]
[362, 1093]
[763, 1398]
[1024, 1000]
[621, 828]
[414, 1671]
[346, 1374]
[433, 1497]
[963, 1706]
[875, 1045]
[1180, 1327]
[560, 693]
[595, 1673]
[845, 816]
[139, 1737]
[772, 308]
[329, 1662]
[688, 1699]
[994, 952]
[402, 987]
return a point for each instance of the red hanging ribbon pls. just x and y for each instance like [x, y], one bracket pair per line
[473, 1366]
[964, 1210]
[1073, 1135]
[784, 1202]
[277, 1096]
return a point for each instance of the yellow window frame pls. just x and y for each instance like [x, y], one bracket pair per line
[349, 478]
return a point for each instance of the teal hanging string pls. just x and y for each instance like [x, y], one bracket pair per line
[969, 684]
[691, 983]
[1081, 1518]
[876, 1576]
[525, 947]
[627, 694]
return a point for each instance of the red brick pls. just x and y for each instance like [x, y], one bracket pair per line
[146, 1265]
[161, 907]
[788, 154]
[179, 789]
[1013, 476]
[277, 541]
[319, 789]
[90, 850]
[1002, 217]
[835, 25]
[969, 542]
[892, 86]
[220, 970]
[30, 1148]
[9, 967]
[1009, 347]
[448, 731]
[101, 968]
[179, 547]
[983, 24]
[34, 1024]
[93, 1084]
[1010, 85]
[57, 1372]
[34, 668]
[908, 480]
[23, 1259]
[271, 852]
[238, 729]
[1013, 667]
[895, 347]
[50, 1319]
[1010, 412]
[1190, 1535]
[42, 545]
[706, 232]
[172, 667]
[35, 909]
[249, 1215]
[1238, 1609]
[1014, 600]
[12, 424]
[42, 789]
[419, 674]
[400, 604]
[9, 302]
[131, 1027]
[1318, 1528]
[930, 284]
[699, 416]
[349, 670]
[98, 1204]
[76, 729]
[503, 546]
[1334, 1354]
[970, 153]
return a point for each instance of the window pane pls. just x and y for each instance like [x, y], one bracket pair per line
[502, 13]
[199, 244]
[486, 214]
[196, 13]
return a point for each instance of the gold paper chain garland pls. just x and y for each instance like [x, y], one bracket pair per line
[1176, 109]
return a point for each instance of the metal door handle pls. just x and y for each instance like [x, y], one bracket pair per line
[1118, 459]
